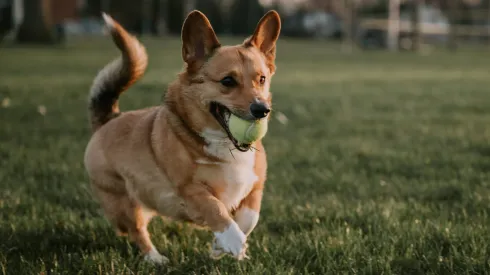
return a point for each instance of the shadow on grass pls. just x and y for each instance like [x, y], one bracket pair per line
[56, 244]
[59, 248]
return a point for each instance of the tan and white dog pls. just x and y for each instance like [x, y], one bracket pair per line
[178, 159]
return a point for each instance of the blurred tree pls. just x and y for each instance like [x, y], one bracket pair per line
[393, 25]
[351, 8]
[348, 12]
[129, 13]
[452, 12]
[211, 9]
[174, 13]
[487, 37]
[6, 18]
[155, 16]
[38, 26]
[244, 16]
[415, 8]
[92, 8]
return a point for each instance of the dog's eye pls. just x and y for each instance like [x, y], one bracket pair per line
[228, 82]
[262, 79]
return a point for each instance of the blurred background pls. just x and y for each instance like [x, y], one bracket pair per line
[367, 24]
[378, 148]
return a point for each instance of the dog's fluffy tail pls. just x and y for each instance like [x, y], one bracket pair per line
[116, 76]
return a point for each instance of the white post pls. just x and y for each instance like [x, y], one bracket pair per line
[18, 13]
[189, 5]
[393, 24]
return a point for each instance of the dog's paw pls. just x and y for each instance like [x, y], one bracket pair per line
[231, 241]
[218, 253]
[154, 257]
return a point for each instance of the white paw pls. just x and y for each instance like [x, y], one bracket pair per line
[154, 257]
[232, 241]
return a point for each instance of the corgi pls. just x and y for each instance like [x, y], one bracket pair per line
[178, 159]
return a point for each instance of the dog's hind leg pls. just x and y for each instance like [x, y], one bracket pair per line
[129, 218]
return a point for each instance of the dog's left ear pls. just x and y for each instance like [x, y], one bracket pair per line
[266, 35]
[198, 39]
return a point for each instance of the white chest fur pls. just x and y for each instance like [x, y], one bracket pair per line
[238, 167]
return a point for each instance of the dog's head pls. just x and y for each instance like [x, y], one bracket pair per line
[220, 80]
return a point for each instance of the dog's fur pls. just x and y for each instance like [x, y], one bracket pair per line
[175, 160]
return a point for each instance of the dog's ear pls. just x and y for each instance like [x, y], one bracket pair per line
[198, 39]
[265, 36]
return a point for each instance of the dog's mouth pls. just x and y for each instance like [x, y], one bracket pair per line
[222, 115]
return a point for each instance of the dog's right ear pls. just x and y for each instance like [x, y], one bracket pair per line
[198, 39]
[265, 37]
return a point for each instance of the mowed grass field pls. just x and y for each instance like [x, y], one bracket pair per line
[382, 168]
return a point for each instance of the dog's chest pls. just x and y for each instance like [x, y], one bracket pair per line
[236, 176]
[239, 179]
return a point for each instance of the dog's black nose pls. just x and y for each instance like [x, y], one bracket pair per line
[259, 109]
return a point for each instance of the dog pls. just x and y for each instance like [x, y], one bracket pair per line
[178, 159]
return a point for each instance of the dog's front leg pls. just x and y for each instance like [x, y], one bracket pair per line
[247, 215]
[229, 238]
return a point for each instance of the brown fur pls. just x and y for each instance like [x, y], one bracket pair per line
[154, 161]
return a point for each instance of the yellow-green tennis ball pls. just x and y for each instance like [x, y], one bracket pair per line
[246, 132]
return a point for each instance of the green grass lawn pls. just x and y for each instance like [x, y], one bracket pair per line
[383, 167]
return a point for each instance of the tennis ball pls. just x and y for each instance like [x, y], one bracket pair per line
[246, 132]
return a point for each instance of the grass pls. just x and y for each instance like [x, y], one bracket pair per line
[383, 167]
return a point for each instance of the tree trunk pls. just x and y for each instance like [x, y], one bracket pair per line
[226, 13]
[155, 17]
[416, 34]
[93, 8]
[453, 14]
[37, 26]
[7, 22]
[488, 18]
[347, 11]
[189, 5]
[105, 5]
[174, 15]
[348, 44]
[129, 14]
[393, 24]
